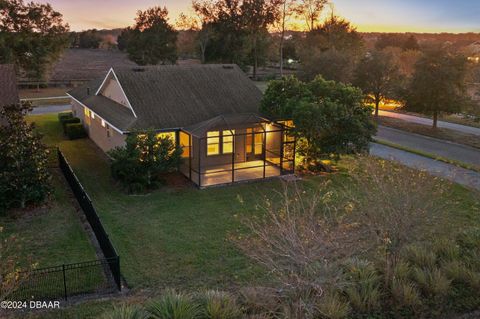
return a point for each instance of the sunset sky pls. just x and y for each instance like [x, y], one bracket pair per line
[367, 15]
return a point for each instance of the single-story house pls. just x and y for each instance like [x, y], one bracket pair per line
[8, 87]
[211, 111]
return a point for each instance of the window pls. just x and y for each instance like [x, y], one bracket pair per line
[185, 145]
[87, 116]
[213, 143]
[258, 143]
[249, 140]
[227, 141]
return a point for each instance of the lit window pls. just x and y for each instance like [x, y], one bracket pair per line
[249, 140]
[103, 123]
[213, 143]
[258, 143]
[185, 144]
[228, 142]
[87, 116]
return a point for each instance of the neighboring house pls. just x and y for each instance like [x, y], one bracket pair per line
[8, 87]
[211, 111]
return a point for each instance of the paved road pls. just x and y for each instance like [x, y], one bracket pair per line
[425, 121]
[451, 172]
[431, 145]
[50, 109]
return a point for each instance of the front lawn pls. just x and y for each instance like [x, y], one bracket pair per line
[181, 236]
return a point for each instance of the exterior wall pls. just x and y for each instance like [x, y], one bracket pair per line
[97, 132]
[222, 159]
[113, 91]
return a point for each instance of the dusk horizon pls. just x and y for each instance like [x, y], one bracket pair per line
[371, 16]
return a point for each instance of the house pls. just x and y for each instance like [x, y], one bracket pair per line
[8, 87]
[211, 111]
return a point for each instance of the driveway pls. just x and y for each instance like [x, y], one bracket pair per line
[424, 121]
[50, 109]
[430, 145]
[453, 173]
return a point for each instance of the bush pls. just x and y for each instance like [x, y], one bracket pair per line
[173, 305]
[64, 116]
[126, 312]
[75, 131]
[218, 305]
[65, 122]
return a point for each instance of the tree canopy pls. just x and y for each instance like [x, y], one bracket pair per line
[32, 36]
[377, 75]
[438, 84]
[331, 50]
[23, 160]
[152, 40]
[330, 118]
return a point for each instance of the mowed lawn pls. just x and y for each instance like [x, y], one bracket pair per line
[181, 237]
[51, 234]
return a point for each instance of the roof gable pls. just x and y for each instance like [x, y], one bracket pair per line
[171, 97]
[111, 82]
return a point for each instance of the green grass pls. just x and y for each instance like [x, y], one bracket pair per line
[429, 155]
[51, 234]
[181, 237]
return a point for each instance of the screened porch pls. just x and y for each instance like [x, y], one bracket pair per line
[237, 148]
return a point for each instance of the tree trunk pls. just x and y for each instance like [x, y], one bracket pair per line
[282, 39]
[255, 58]
[377, 106]
[435, 119]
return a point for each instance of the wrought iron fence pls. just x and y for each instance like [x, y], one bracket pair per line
[92, 217]
[66, 281]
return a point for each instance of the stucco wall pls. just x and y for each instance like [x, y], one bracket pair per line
[97, 132]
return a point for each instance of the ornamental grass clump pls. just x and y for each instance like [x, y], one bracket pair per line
[173, 305]
[216, 304]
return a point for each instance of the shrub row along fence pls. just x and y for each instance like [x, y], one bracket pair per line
[68, 280]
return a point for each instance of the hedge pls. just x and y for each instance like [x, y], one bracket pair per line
[64, 115]
[74, 120]
[75, 131]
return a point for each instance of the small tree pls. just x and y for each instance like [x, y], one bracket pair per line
[377, 75]
[24, 177]
[152, 40]
[438, 85]
[139, 164]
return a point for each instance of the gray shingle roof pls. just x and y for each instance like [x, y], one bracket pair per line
[167, 97]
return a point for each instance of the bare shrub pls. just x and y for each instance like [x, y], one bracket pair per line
[297, 241]
[394, 204]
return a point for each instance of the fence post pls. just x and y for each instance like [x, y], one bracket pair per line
[64, 282]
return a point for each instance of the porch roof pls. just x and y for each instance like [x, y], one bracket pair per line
[225, 122]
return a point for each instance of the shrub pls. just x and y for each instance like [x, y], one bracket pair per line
[139, 164]
[405, 294]
[75, 131]
[332, 306]
[363, 286]
[218, 305]
[73, 120]
[173, 305]
[126, 312]
[64, 116]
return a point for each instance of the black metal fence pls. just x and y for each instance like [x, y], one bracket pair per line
[69, 280]
[84, 200]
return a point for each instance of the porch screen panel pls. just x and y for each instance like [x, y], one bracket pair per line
[227, 142]
[185, 145]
